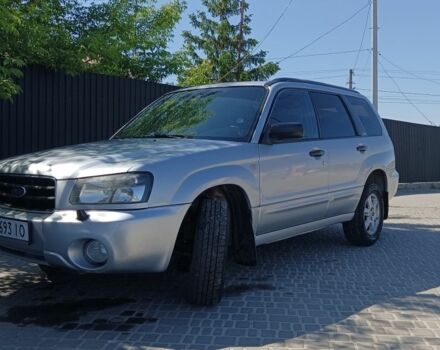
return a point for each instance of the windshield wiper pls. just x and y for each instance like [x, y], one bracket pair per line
[167, 136]
[156, 136]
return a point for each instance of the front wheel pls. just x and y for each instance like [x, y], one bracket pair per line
[365, 227]
[209, 255]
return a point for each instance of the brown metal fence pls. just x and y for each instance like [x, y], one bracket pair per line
[56, 109]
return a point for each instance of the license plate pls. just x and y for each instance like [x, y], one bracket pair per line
[14, 229]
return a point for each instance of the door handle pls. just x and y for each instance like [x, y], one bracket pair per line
[361, 148]
[317, 153]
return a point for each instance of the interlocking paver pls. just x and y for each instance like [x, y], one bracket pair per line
[310, 292]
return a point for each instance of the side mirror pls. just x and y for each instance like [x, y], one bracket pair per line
[284, 132]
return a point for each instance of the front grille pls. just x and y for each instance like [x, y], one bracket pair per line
[27, 192]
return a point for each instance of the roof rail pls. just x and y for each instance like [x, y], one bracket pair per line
[294, 80]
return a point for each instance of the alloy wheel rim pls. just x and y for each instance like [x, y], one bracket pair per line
[371, 214]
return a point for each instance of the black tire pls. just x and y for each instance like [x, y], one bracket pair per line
[206, 278]
[355, 230]
[57, 274]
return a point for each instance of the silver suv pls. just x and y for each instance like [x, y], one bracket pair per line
[200, 173]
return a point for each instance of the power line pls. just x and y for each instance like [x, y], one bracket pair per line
[417, 100]
[274, 25]
[363, 37]
[364, 67]
[317, 54]
[353, 71]
[406, 92]
[325, 33]
[422, 72]
[405, 96]
[407, 103]
[409, 72]
[403, 77]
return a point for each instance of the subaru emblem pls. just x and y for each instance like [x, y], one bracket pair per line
[17, 192]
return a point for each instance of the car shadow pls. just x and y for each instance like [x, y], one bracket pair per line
[308, 285]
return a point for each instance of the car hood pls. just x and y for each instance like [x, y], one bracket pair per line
[107, 157]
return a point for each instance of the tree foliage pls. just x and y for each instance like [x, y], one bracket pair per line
[130, 38]
[118, 37]
[221, 50]
[10, 64]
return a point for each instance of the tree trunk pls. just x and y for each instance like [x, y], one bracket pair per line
[240, 41]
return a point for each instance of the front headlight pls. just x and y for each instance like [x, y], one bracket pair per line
[112, 189]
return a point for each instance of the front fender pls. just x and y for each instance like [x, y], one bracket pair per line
[200, 181]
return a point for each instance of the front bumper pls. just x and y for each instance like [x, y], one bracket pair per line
[136, 240]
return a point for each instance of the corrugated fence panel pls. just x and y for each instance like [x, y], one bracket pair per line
[417, 149]
[56, 109]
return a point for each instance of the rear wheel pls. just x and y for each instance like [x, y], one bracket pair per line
[209, 255]
[365, 227]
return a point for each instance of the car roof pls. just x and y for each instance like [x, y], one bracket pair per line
[310, 83]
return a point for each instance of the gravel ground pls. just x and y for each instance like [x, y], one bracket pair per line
[309, 292]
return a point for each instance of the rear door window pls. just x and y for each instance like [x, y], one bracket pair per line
[362, 110]
[333, 118]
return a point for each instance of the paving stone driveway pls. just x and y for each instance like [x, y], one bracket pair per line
[314, 291]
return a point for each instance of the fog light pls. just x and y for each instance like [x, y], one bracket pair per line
[96, 252]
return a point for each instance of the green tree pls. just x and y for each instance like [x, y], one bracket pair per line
[9, 63]
[221, 50]
[130, 38]
[119, 37]
[35, 32]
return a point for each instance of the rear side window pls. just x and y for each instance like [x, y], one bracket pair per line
[294, 106]
[361, 109]
[333, 118]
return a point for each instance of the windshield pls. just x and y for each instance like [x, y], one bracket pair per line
[227, 113]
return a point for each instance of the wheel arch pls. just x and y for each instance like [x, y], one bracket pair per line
[379, 177]
[206, 179]
[242, 233]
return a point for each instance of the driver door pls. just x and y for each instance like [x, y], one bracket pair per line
[293, 175]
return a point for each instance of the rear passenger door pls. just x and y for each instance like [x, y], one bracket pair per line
[345, 152]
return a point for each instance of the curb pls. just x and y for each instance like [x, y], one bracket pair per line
[420, 186]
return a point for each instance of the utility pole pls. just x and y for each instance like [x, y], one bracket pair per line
[350, 79]
[374, 52]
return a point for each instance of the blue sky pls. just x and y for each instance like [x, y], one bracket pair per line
[409, 37]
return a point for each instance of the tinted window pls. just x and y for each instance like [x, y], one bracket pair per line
[333, 118]
[364, 112]
[294, 106]
[226, 113]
